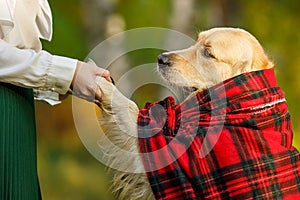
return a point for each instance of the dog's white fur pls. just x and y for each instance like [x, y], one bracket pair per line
[219, 54]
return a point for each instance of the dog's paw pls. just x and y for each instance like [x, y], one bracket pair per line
[121, 111]
[107, 89]
[113, 99]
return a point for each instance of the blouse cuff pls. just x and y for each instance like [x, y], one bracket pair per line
[51, 98]
[60, 74]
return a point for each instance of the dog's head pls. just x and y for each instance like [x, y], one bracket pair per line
[219, 54]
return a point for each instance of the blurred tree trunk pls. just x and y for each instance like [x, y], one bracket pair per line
[224, 12]
[182, 15]
[220, 14]
[101, 23]
[95, 14]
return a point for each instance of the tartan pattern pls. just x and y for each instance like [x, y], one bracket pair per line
[231, 141]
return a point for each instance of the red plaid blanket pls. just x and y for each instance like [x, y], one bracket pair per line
[232, 141]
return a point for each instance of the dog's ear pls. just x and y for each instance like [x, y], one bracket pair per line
[252, 58]
[244, 61]
[260, 60]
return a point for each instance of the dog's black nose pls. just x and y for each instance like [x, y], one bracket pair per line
[164, 59]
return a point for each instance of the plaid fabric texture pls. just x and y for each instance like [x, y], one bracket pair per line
[232, 141]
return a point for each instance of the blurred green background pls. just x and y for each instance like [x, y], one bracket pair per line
[66, 169]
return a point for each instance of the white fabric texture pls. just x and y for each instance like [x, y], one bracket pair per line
[22, 62]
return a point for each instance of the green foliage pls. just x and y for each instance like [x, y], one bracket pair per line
[68, 35]
[144, 13]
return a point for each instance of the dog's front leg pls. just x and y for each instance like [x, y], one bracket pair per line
[118, 120]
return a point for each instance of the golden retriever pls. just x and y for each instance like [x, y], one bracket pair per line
[218, 54]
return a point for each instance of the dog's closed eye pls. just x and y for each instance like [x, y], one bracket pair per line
[207, 53]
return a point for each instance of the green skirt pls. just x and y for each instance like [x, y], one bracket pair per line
[18, 157]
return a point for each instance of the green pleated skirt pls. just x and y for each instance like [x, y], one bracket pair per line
[18, 158]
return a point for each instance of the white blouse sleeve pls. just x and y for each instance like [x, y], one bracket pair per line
[38, 70]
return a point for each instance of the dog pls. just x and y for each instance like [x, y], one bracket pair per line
[218, 55]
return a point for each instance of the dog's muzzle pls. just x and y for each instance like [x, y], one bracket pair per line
[164, 60]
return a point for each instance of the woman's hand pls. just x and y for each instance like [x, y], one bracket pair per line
[84, 81]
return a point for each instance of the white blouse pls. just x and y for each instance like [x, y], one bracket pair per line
[22, 62]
